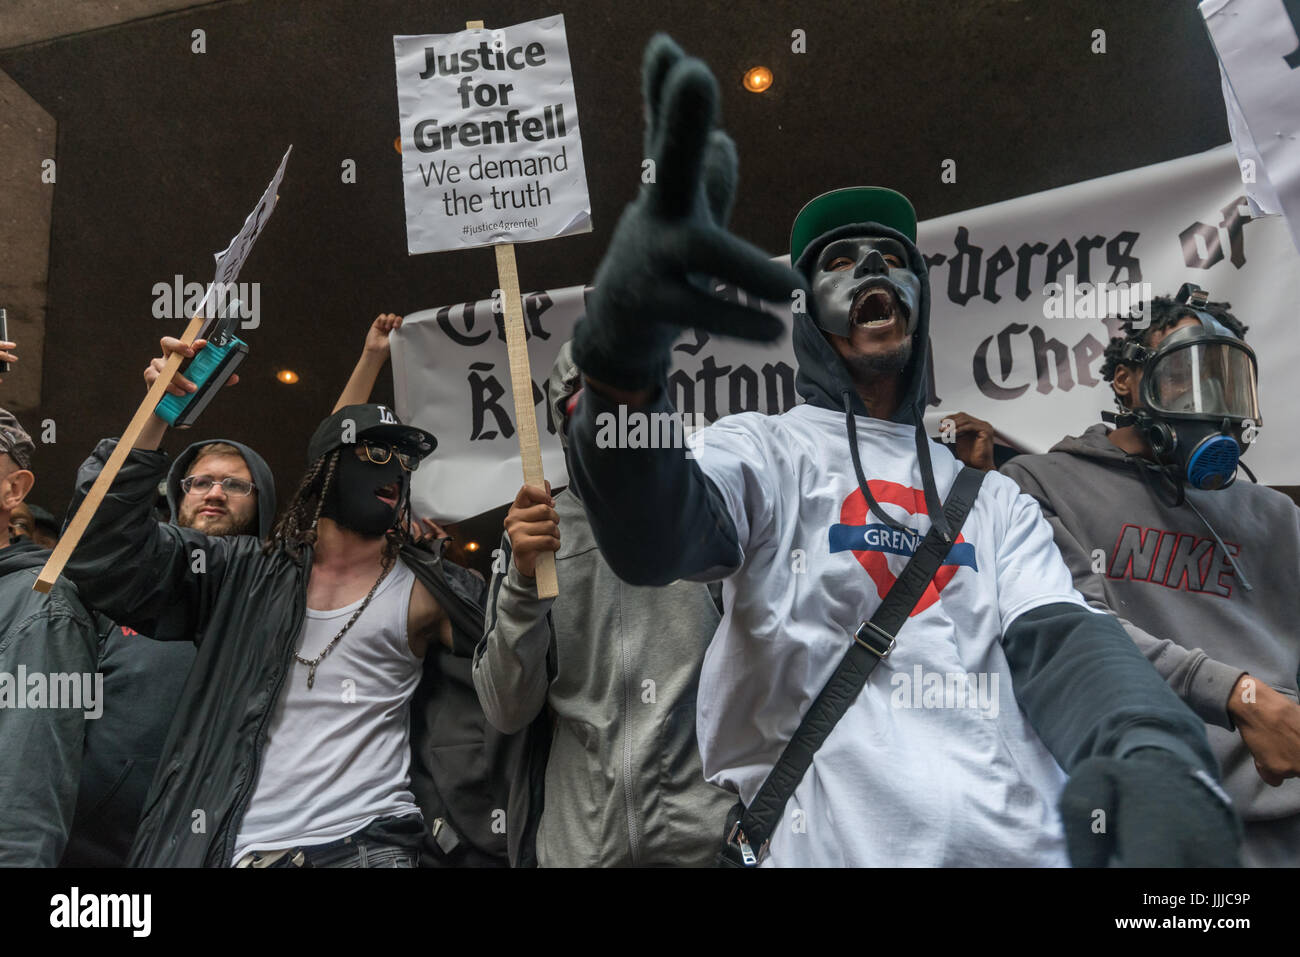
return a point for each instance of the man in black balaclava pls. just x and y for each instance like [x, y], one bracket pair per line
[999, 683]
[291, 742]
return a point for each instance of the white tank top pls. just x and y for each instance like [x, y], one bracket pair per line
[338, 756]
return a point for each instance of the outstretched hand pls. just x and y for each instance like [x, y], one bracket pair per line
[1149, 809]
[671, 243]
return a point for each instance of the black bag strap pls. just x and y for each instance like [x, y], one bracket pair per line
[873, 641]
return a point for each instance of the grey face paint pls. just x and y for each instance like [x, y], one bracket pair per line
[870, 283]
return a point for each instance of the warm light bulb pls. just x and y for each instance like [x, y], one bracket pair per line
[397, 144]
[287, 376]
[758, 79]
[471, 546]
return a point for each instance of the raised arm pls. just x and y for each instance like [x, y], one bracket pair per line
[158, 579]
[374, 355]
[654, 513]
[512, 670]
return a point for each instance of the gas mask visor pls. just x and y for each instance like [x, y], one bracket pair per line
[1212, 376]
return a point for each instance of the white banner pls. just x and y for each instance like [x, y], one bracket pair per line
[1259, 55]
[1005, 349]
[490, 145]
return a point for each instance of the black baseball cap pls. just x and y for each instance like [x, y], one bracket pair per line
[369, 421]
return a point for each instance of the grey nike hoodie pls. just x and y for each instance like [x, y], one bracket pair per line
[1165, 574]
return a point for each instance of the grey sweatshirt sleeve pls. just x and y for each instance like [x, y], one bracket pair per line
[510, 663]
[1088, 692]
[40, 747]
[1201, 681]
[656, 516]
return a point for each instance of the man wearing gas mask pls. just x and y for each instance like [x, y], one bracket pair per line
[810, 539]
[290, 745]
[1198, 565]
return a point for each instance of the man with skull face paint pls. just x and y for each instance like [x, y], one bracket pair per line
[773, 507]
[292, 734]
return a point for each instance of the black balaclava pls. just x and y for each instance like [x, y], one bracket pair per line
[352, 500]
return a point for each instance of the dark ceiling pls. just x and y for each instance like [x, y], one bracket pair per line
[161, 153]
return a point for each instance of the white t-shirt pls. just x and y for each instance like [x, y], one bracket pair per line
[934, 764]
[338, 756]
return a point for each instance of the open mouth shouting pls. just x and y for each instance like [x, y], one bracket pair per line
[388, 493]
[876, 307]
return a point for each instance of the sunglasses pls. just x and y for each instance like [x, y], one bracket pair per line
[380, 454]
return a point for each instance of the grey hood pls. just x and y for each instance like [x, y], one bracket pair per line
[262, 478]
[1093, 444]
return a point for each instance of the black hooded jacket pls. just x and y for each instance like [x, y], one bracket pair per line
[143, 681]
[658, 517]
[244, 609]
[40, 747]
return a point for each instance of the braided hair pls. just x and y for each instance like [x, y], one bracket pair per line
[297, 526]
[1164, 312]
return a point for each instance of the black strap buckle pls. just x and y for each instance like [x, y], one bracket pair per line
[875, 639]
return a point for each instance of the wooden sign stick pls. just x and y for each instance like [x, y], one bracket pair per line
[63, 550]
[521, 383]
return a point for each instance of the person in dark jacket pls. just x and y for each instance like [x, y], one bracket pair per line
[807, 545]
[218, 487]
[47, 681]
[1204, 582]
[290, 744]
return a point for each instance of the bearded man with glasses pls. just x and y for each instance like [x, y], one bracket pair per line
[218, 487]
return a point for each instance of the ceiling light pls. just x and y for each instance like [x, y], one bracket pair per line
[758, 79]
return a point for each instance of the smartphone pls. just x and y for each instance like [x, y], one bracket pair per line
[4, 336]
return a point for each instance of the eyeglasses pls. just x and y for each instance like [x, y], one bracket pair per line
[380, 454]
[201, 484]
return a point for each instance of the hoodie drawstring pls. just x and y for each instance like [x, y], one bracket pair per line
[933, 507]
[1241, 576]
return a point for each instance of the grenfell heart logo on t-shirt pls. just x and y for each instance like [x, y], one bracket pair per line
[871, 541]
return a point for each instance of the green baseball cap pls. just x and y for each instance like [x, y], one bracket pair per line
[854, 204]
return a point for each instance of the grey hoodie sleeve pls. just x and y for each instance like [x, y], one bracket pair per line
[656, 516]
[510, 663]
[1203, 683]
[40, 747]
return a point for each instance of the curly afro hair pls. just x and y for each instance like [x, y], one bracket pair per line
[1164, 312]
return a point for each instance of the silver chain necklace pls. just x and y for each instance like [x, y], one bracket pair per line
[311, 665]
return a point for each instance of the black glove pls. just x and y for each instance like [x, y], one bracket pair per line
[1150, 809]
[669, 243]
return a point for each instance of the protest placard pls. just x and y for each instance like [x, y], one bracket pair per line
[490, 146]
